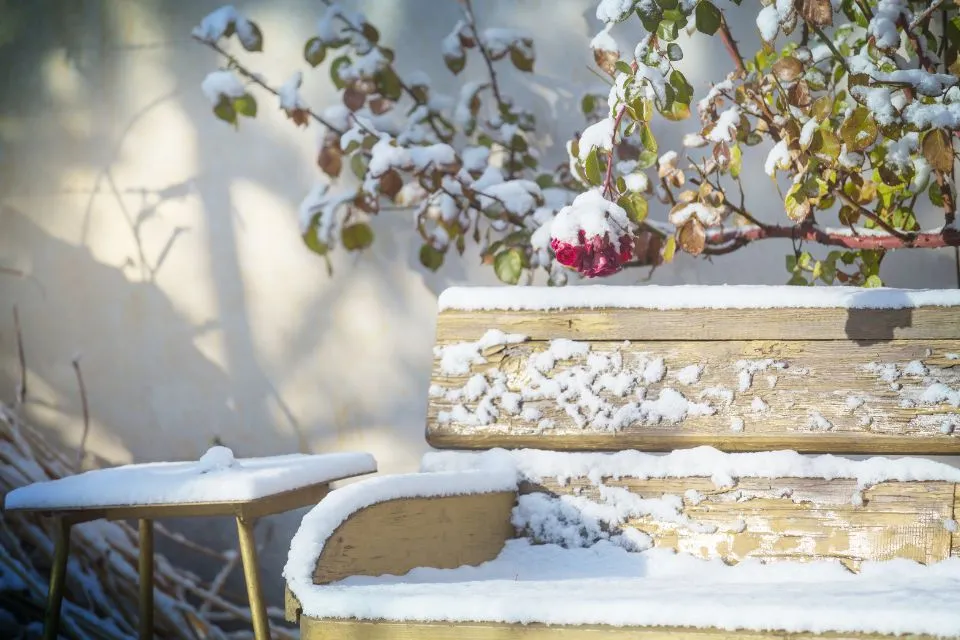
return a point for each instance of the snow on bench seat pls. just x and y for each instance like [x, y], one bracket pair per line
[605, 584]
[216, 477]
[589, 567]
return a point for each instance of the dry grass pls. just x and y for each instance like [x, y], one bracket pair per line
[102, 582]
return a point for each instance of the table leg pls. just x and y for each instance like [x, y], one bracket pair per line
[251, 572]
[146, 579]
[58, 576]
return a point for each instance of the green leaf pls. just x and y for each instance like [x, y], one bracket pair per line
[592, 168]
[873, 281]
[225, 111]
[791, 260]
[736, 160]
[388, 84]
[646, 138]
[646, 159]
[314, 51]
[635, 205]
[431, 257]
[798, 280]
[508, 265]
[674, 52]
[358, 164]
[545, 181]
[828, 271]
[335, 67]
[707, 17]
[588, 103]
[246, 105]
[357, 236]
[312, 241]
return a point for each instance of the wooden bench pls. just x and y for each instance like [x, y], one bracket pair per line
[548, 520]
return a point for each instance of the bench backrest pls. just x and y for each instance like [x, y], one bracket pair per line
[739, 368]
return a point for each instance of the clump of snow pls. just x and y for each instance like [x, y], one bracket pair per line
[736, 424]
[575, 521]
[950, 525]
[599, 135]
[778, 158]
[458, 358]
[221, 83]
[690, 374]
[819, 422]
[758, 405]
[853, 402]
[747, 368]
[591, 214]
[216, 458]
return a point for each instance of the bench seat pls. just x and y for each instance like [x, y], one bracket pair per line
[608, 585]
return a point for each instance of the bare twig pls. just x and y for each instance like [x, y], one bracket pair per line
[255, 79]
[21, 359]
[922, 17]
[82, 448]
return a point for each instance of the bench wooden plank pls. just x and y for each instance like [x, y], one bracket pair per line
[323, 629]
[393, 537]
[922, 323]
[794, 518]
[809, 395]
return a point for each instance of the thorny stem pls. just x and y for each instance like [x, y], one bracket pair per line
[608, 178]
[731, 44]
[254, 78]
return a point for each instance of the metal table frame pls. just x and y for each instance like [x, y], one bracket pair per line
[246, 512]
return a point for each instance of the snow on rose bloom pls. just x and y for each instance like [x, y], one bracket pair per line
[592, 236]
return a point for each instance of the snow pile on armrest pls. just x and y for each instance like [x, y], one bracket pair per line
[691, 297]
[321, 521]
[534, 465]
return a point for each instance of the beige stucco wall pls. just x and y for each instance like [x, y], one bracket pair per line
[163, 248]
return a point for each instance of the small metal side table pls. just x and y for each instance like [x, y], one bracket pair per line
[246, 489]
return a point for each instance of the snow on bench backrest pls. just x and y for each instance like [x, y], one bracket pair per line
[740, 368]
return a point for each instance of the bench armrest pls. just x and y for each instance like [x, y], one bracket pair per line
[389, 525]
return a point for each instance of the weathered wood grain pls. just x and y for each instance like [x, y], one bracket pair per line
[924, 323]
[815, 396]
[323, 629]
[393, 537]
[794, 518]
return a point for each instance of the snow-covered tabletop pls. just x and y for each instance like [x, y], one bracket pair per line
[216, 477]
